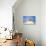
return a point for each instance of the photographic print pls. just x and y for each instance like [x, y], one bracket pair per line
[29, 19]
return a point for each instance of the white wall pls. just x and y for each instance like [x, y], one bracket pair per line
[43, 22]
[29, 8]
[37, 31]
[6, 13]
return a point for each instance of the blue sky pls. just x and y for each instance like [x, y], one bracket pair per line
[26, 18]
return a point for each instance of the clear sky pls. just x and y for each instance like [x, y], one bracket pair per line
[26, 18]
